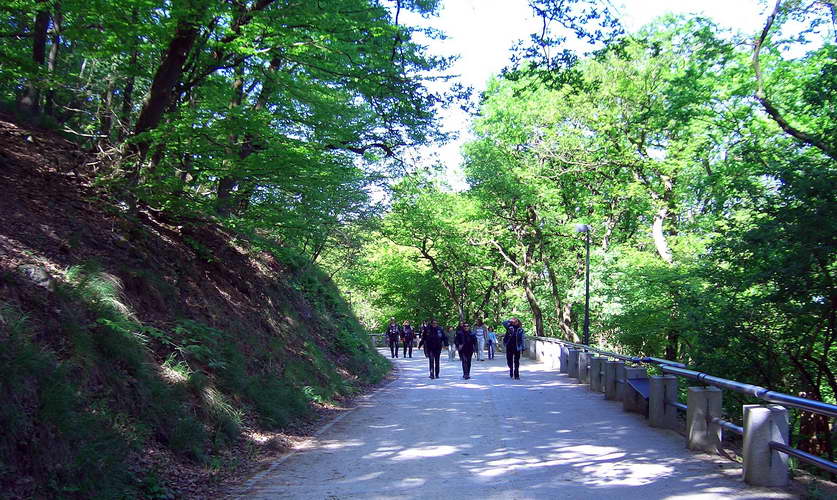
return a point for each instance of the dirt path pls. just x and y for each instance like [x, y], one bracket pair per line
[492, 437]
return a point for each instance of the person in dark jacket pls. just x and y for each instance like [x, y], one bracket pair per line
[392, 333]
[513, 341]
[407, 337]
[466, 345]
[433, 338]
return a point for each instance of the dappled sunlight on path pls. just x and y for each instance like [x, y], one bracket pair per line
[543, 436]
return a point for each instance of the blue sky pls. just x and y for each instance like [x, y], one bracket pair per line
[481, 33]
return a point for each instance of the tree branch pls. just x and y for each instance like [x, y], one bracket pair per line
[768, 106]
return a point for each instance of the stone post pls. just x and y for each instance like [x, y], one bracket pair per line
[596, 376]
[704, 404]
[762, 465]
[564, 359]
[572, 366]
[584, 367]
[620, 381]
[610, 379]
[660, 412]
[631, 399]
[553, 354]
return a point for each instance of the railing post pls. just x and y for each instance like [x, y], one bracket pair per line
[704, 404]
[762, 465]
[610, 379]
[596, 367]
[564, 359]
[660, 411]
[551, 352]
[631, 400]
[620, 381]
[572, 367]
[584, 367]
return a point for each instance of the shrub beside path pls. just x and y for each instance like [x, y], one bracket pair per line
[491, 437]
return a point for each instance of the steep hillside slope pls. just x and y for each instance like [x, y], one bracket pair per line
[129, 345]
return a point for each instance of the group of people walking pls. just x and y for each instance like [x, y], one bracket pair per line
[468, 342]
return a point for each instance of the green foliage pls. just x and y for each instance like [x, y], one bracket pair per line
[712, 212]
[80, 450]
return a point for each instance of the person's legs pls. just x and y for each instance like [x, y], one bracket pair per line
[436, 355]
[510, 362]
[392, 349]
[480, 347]
[466, 362]
[516, 364]
[411, 348]
[490, 349]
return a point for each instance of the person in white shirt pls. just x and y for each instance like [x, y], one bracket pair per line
[480, 330]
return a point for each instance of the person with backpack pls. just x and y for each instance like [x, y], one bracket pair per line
[407, 336]
[514, 342]
[466, 344]
[480, 330]
[392, 333]
[433, 338]
[491, 341]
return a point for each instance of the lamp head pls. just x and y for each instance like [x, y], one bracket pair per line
[582, 228]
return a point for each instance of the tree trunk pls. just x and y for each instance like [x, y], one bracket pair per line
[31, 98]
[227, 184]
[106, 114]
[128, 92]
[52, 61]
[160, 96]
[562, 310]
[659, 238]
[537, 313]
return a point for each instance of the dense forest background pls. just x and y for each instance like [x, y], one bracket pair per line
[705, 162]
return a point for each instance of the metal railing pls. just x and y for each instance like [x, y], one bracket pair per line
[762, 393]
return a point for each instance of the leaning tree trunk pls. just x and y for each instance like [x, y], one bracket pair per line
[537, 313]
[563, 310]
[160, 96]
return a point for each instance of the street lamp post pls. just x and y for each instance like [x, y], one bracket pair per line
[584, 228]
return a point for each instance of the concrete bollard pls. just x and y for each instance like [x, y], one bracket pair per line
[660, 412]
[584, 367]
[704, 404]
[564, 359]
[620, 381]
[596, 376]
[572, 366]
[762, 465]
[632, 400]
[610, 379]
